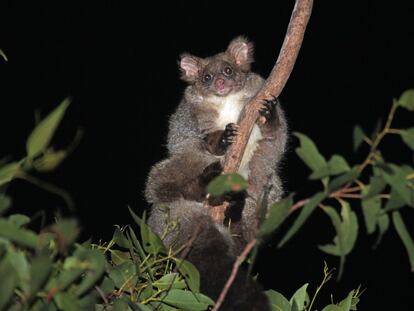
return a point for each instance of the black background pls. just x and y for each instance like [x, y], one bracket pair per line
[118, 62]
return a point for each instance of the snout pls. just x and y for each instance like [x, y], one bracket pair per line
[220, 84]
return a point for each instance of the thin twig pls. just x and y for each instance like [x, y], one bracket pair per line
[233, 274]
[298, 205]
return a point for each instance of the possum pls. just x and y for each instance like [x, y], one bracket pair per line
[200, 131]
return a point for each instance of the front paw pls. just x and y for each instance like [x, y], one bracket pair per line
[268, 111]
[229, 135]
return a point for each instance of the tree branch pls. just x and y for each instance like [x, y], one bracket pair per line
[273, 87]
[233, 274]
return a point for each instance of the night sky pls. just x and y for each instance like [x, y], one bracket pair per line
[118, 63]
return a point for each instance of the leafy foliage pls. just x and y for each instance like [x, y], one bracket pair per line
[49, 270]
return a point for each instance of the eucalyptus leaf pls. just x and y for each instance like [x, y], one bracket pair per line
[19, 219]
[347, 302]
[8, 172]
[300, 298]
[40, 137]
[377, 184]
[383, 225]
[278, 302]
[309, 153]
[371, 208]
[18, 235]
[187, 300]
[358, 137]
[332, 308]
[151, 242]
[408, 137]
[96, 269]
[406, 100]
[226, 183]
[404, 236]
[304, 214]
[343, 179]
[171, 280]
[335, 166]
[190, 274]
[398, 182]
[8, 282]
[346, 233]
[67, 301]
[275, 216]
[40, 269]
[5, 203]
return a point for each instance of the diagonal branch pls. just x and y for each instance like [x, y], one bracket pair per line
[273, 87]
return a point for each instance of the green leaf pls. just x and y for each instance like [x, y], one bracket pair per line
[343, 179]
[142, 307]
[8, 282]
[309, 153]
[151, 242]
[226, 183]
[404, 236]
[40, 137]
[18, 235]
[67, 230]
[338, 165]
[358, 137]
[49, 161]
[187, 300]
[3, 55]
[335, 166]
[346, 233]
[383, 225]
[300, 298]
[345, 304]
[120, 305]
[398, 182]
[406, 100]
[118, 257]
[40, 269]
[376, 185]
[119, 238]
[67, 301]
[123, 273]
[408, 137]
[96, 268]
[278, 302]
[8, 172]
[18, 260]
[332, 308]
[305, 212]
[395, 202]
[5, 203]
[190, 274]
[276, 215]
[171, 280]
[371, 208]
[19, 219]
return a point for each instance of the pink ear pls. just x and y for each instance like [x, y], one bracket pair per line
[190, 66]
[241, 50]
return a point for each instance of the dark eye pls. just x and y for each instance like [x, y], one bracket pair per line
[228, 71]
[207, 77]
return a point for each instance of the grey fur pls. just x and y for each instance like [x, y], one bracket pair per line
[172, 182]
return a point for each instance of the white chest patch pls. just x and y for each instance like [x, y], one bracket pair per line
[251, 147]
[229, 109]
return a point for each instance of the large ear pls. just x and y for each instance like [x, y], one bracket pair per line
[241, 51]
[190, 67]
